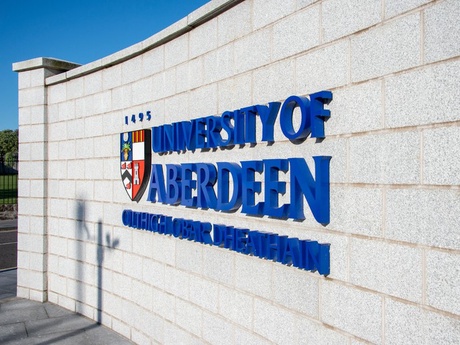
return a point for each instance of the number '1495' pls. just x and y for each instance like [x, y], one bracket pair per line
[140, 117]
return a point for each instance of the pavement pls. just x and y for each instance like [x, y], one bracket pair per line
[25, 322]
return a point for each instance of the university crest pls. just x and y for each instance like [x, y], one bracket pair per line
[135, 160]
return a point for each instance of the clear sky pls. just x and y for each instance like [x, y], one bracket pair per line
[79, 31]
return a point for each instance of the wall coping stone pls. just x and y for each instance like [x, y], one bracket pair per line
[42, 62]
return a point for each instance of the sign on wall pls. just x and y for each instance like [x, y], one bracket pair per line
[233, 186]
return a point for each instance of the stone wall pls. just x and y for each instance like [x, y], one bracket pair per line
[394, 138]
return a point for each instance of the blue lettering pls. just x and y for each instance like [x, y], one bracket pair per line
[205, 232]
[224, 203]
[318, 115]
[177, 225]
[214, 127]
[126, 217]
[273, 187]
[135, 220]
[263, 248]
[268, 116]
[173, 185]
[185, 135]
[227, 127]
[165, 225]
[157, 184]
[144, 221]
[206, 178]
[249, 115]
[200, 133]
[304, 254]
[187, 230]
[316, 192]
[250, 187]
[240, 239]
[153, 223]
[169, 138]
[219, 235]
[229, 237]
[286, 117]
[188, 185]
[157, 139]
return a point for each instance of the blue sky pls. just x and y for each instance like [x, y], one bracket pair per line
[79, 31]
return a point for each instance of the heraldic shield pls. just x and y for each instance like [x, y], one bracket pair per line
[135, 160]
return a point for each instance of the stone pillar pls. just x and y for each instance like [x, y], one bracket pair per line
[32, 181]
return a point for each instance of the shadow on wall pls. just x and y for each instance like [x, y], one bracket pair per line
[83, 237]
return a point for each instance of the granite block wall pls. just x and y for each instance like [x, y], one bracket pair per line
[393, 68]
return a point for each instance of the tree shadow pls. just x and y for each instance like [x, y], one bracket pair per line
[83, 234]
[109, 244]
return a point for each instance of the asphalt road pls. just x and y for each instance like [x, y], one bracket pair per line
[8, 244]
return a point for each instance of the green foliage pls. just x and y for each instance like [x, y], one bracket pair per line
[8, 145]
[9, 159]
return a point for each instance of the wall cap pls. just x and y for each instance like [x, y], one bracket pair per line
[43, 62]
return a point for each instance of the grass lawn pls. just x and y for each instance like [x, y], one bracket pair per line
[8, 189]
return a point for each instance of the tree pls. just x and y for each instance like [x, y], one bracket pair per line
[8, 146]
